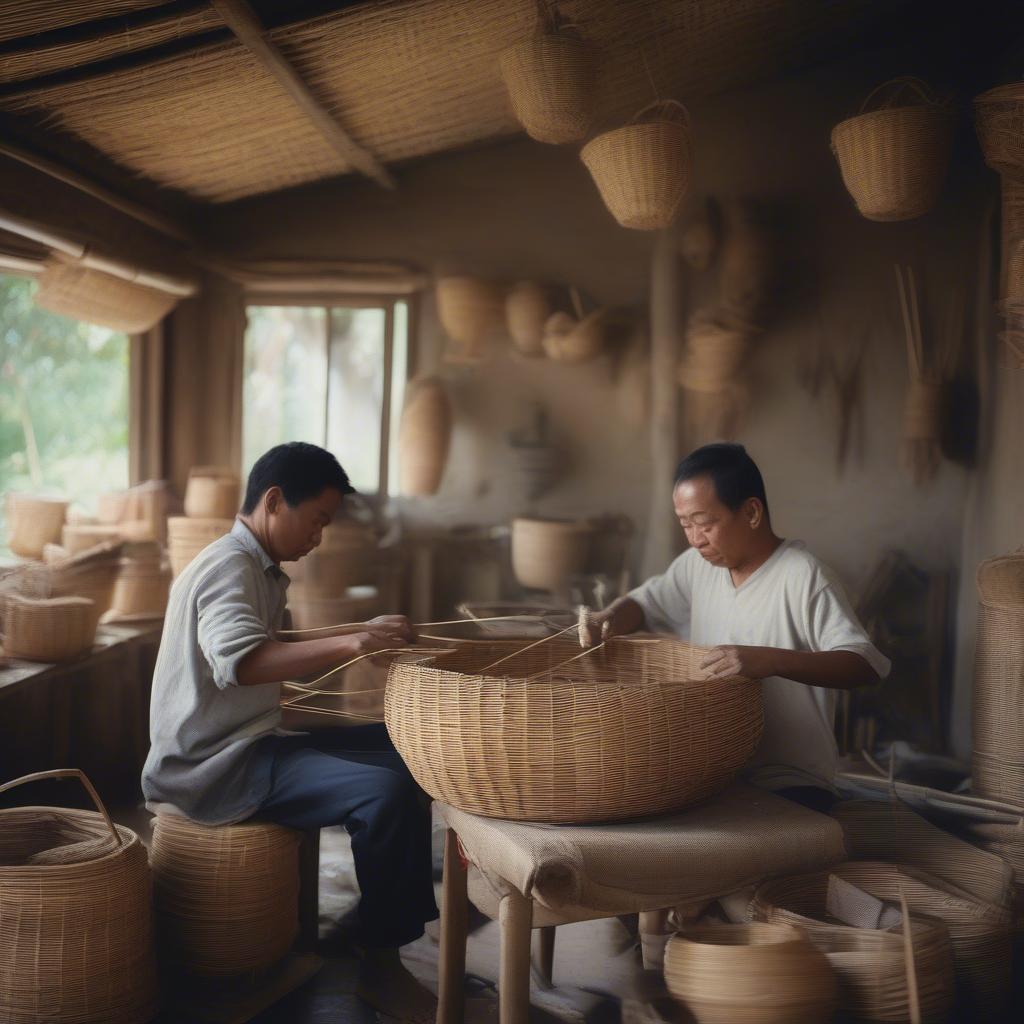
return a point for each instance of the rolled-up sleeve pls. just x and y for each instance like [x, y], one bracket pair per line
[665, 600]
[834, 627]
[229, 626]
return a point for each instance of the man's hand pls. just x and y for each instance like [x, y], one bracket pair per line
[398, 624]
[373, 639]
[619, 618]
[752, 662]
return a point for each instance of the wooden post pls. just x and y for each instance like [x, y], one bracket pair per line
[451, 968]
[515, 912]
[666, 331]
[544, 954]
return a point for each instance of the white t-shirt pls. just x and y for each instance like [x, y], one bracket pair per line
[792, 602]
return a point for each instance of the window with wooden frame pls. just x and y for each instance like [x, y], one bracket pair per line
[331, 372]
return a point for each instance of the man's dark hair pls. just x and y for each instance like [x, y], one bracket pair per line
[301, 470]
[733, 472]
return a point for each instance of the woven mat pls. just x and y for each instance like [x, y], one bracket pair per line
[739, 838]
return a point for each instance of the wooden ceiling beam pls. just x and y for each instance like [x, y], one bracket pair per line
[242, 20]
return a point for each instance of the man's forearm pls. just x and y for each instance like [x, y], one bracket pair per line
[277, 661]
[623, 616]
[834, 670]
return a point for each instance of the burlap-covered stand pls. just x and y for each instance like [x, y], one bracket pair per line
[538, 876]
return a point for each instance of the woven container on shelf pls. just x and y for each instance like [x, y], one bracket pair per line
[79, 537]
[894, 159]
[999, 122]
[626, 731]
[346, 557]
[551, 82]
[423, 437]
[313, 610]
[212, 492]
[186, 537]
[998, 693]
[749, 974]
[76, 944]
[33, 522]
[527, 309]
[91, 574]
[226, 897]
[869, 962]
[49, 629]
[642, 169]
[142, 588]
[546, 552]
[469, 309]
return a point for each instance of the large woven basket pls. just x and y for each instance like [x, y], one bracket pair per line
[546, 552]
[49, 629]
[894, 159]
[346, 557]
[423, 437]
[186, 537]
[999, 121]
[869, 962]
[76, 943]
[642, 170]
[626, 731]
[749, 974]
[212, 492]
[551, 83]
[998, 695]
[33, 522]
[226, 897]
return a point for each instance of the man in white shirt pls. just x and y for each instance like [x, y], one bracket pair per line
[767, 608]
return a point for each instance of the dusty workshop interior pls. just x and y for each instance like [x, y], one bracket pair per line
[393, 628]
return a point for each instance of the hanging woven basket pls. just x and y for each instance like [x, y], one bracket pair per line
[469, 309]
[642, 169]
[999, 122]
[226, 897]
[48, 630]
[893, 159]
[423, 437]
[627, 731]
[76, 944]
[546, 552]
[551, 81]
[749, 974]
[33, 522]
[212, 492]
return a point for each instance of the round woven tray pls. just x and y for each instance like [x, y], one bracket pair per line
[628, 730]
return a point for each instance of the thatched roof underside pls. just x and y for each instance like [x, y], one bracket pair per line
[405, 78]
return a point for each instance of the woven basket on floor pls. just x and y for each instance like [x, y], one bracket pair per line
[187, 537]
[551, 83]
[50, 630]
[76, 943]
[868, 962]
[893, 159]
[312, 610]
[33, 522]
[998, 694]
[227, 896]
[469, 309]
[545, 552]
[346, 557]
[212, 492]
[749, 974]
[627, 731]
[527, 308]
[423, 437]
[999, 121]
[642, 169]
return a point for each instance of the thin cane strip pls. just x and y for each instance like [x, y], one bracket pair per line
[331, 693]
[307, 710]
[373, 654]
[551, 671]
[529, 647]
[417, 625]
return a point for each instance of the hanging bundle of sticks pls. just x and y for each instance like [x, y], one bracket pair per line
[929, 371]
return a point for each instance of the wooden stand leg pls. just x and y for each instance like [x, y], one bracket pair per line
[451, 973]
[309, 891]
[544, 954]
[653, 936]
[515, 912]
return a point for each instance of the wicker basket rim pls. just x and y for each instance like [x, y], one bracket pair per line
[548, 39]
[890, 114]
[1011, 92]
[39, 498]
[129, 840]
[639, 129]
[773, 934]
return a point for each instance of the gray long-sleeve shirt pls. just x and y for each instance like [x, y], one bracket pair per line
[203, 726]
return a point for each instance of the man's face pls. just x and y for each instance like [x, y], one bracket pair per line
[294, 532]
[721, 536]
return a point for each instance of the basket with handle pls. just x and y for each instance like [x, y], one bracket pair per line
[77, 940]
[642, 169]
[625, 730]
[893, 158]
[551, 83]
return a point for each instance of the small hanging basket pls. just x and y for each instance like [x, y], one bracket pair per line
[424, 435]
[999, 122]
[893, 159]
[643, 169]
[551, 83]
[469, 309]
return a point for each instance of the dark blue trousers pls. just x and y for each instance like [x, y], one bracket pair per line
[355, 777]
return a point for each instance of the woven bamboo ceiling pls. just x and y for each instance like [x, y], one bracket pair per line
[166, 92]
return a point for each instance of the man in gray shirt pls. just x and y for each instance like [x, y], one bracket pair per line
[218, 754]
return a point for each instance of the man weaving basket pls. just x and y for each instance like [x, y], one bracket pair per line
[218, 755]
[768, 609]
